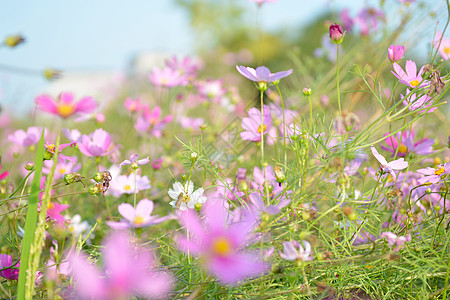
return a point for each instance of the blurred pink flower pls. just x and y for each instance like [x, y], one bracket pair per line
[134, 161]
[96, 144]
[123, 184]
[54, 210]
[262, 74]
[151, 121]
[221, 245]
[157, 163]
[130, 271]
[3, 175]
[167, 77]
[394, 240]
[64, 106]
[347, 21]
[406, 144]
[137, 217]
[411, 78]
[133, 106]
[50, 149]
[187, 66]
[261, 2]
[12, 273]
[29, 138]
[277, 132]
[443, 45]
[385, 167]
[252, 125]
[420, 104]
[73, 135]
[190, 123]
[62, 168]
[211, 89]
[368, 19]
[290, 251]
[395, 52]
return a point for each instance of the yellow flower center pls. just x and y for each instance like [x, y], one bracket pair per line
[439, 171]
[264, 127]
[50, 205]
[447, 50]
[65, 110]
[138, 220]
[127, 187]
[414, 83]
[51, 148]
[62, 171]
[222, 246]
[402, 149]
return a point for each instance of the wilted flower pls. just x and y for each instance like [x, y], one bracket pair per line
[252, 125]
[336, 34]
[395, 52]
[221, 246]
[184, 196]
[290, 251]
[411, 78]
[130, 271]
[137, 217]
[64, 106]
[394, 240]
[96, 144]
[398, 164]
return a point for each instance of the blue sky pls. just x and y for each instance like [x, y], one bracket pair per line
[104, 34]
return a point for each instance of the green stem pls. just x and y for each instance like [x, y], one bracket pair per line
[262, 129]
[337, 79]
[284, 126]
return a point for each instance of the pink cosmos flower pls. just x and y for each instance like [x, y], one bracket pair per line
[290, 251]
[134, 161]
[167, 77]
[336, 33]
[124, 184]
[220, 245]
[157, 163]
[29, 138]
[395, 52]
[406, 144]
[368, 19]
[257, 200]
[443, 45]
[54, 210]
[385, 167]
[211, 89]
[394, 240]
[137, 217]
[133, 106]
[152, 122]
[73, 135]
[50, 149]
[64, 106]
[411, 78]
[10, 274]
[190, 123]
[129, 271]
[347, 21]
[434, 175]
[96, 144]
[262, 74]
[62, 168]
[277, 117]
[420, 104]
[186, 66]
[252, 125]
[3, 175]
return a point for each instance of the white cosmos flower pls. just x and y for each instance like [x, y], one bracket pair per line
[185, 195]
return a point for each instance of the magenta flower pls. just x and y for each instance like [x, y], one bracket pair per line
[137, 217]
[130, 271]
[54, 210]
[394, 240]
[133, 106]
[64, 106]
[252, 125]
[10, 274]
[336, 33]
[3, 175]
[262, 74]
[420, 104]
[395, 53]
[385, 167]
[50, 150]
[29, 138]
[434, 175]
[96, 144]
[290, 251]
[443, 45]
[152, 122]
[134, 161]
[221, 245]
[167, 77]
[406, 144]
[411, 78]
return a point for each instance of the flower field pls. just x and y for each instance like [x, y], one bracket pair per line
[240, 174]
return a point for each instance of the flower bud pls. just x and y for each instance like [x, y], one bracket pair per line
[262, 86]
[48, 154]
[51, 74]
[307, 91]
[194, 157]
[98, 177]
[198, 206]
[14, 40]
[395, 53]
[69, 178]
[29, 166]
[349, 213]
[279, 174]
[94, 189]
[336, 33]
[243, 186]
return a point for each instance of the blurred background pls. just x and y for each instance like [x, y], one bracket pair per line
[98, 45]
